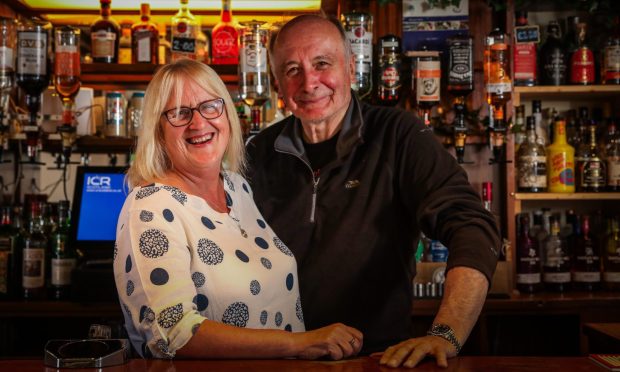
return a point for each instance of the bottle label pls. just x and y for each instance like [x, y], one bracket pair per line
[143, 45]
[32, 53]
[428, 75]
[499, 88]
[7, 62]
[183, 45]
[554, 66]
[582, 66]
[589, 258]
[561, 172]
[533, 171]
[67, 61]
[4, 272]
[361, 43]
[460, 71]
[33, 269]
[586, 276]
[61, 270]
[525, 61]
[556, 277]
[103, 44]
[224, 43]
[612, 62]
[389, 67]
[593, 173]
[253, 59]
[613, 170]
[528, 278]
[611, 277]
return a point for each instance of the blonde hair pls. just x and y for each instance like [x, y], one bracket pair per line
[151, 161]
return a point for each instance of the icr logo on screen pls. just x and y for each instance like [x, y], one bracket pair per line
[98, 181]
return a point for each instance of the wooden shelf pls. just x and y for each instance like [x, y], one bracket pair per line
[564, 92]
[573, 196]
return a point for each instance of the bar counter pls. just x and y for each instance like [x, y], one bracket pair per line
[365, 364]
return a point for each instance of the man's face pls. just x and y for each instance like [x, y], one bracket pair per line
[313, 76]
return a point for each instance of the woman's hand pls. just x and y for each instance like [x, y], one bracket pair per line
[337, 341]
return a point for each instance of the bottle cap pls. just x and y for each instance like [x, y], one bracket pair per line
[389, 44]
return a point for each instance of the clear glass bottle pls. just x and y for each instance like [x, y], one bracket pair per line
[124, 45]
[34, 252]
[560, 161]
[8, 52]
[184, 29]
[541, 129]
[358, 29]
[553, 57]
[145, 38]
[426, 82]
[528, 258]
[590, 167]
[531, 162]
[105, 35]
[67, 69]
[389, 83]
[556, 259]
[518, 129]
[586, 273]
[225, 46]
[63, 257]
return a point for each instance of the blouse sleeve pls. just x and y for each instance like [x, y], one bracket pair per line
[154, 279]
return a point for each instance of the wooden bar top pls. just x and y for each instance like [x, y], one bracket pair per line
[611, 330]
[365, 364]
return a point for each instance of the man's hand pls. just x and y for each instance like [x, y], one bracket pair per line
[410, 352]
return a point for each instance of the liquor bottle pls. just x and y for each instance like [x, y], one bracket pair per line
[460, 67]
[556, 260]
[582, 59]
[389, 83]
[611, 256]
[124, 45]
[163, 51]
[202, 45]
[560, 161]
[144, 38]
[528, 258]
[524, 55]
[612, 155]
[225, 46]
[184, 29]
[33, 245]
[531, 162]
[426, 82]
[67, 69]
[63, 259]
[487, 195]
[519, 127]
[553, 57]
[8, 40]
[8, 262]
[590, 167]
[358, 30]
[541, 129]
[610, 64]
[497, 69]
[105, 35]
[586, 274]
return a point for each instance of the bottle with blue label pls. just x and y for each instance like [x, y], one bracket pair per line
[439, 252]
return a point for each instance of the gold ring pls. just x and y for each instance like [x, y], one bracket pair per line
[352, 342]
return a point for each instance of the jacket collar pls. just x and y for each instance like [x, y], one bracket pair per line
[290, 139]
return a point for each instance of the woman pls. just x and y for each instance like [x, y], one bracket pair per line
[198, 271]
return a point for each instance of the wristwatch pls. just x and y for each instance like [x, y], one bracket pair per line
[446, 332]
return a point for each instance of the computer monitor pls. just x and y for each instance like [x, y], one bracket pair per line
[98, 197]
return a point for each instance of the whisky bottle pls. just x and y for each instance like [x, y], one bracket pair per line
[591, 168]
[389, 83]
[553, 57]
[582, 59]
[225, 46]
[34, 251]
[612, 155]
[105, 35]
[610, 64]
[426, 83]
[586, 274]
[144, 38]
[556, 260]
[184, 30]
[611, 256]
[531, 162]
[460, 67]
[8, 263]
[524, 55]
[560, 161]
[528, 258]
[63, 258]
[497, 69]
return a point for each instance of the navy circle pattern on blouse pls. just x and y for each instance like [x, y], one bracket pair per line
[242, 256]
[298, 311]
[261, 223]
[170, 316]
[198, 279]
[229, 201]
[201, 302]
[146, 216]
[282, 247]
[130, 288]
[288, 328]
[236, 314]
[278, 319]
[290, 280]
[245, 188]
[262, 243]
[146, 314]
[208, 223]
[128, 264]
[263, 317]
[159, 276]
[153, 243]
[254, 287]
[168, 215]
[146, 191]
[209, 252]
[266, 263]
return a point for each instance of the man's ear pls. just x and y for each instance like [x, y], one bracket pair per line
[352, 68]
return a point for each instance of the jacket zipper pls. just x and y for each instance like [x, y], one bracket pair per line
[315, 183]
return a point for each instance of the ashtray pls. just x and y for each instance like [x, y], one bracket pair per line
[90, 353]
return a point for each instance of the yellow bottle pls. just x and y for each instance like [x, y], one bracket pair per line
[560, 161]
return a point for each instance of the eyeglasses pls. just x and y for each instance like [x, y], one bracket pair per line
[182, 116]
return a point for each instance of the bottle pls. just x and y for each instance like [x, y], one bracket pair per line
[460, 67]
[556, 260]
[105, 35]
[124, 45]
[611, 256]
[612, 155]
[591, 168]
[389, 83]
[163, 47]
[528, 258]
[610, 64]
[184, 29]
[8, 263]
[358, 30]
[586, 274]
[582, 59]
[524, 55]
[144, 38]
[487, 195]
[531, 162]
[63, 259]
[225, 46]
[541, 130]
[560, 161]
[519, 127]
[33, 245]
[67, 68]
[8, 40]
[553, 57]
[202, 46]
[426, 83]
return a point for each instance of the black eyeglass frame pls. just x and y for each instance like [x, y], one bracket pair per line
[192, 109]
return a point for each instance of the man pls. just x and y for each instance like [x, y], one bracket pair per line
[348, 187]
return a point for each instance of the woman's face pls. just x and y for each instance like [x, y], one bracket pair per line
[199, 145]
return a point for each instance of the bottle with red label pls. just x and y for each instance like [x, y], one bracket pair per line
[426, 82]
[225, 47]
[582, 59]
[144, 38]
[610, 64]
[389, 83]
[524, 55]
[105, 35]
